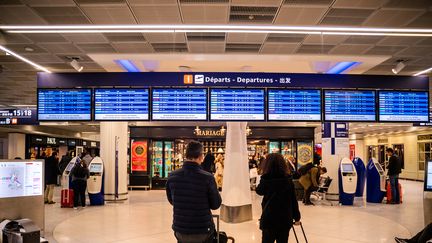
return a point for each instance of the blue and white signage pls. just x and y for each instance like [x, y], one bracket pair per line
[121, 104]
[179, 104]
[349, 105]
[64, 104]
[294, 105]
[237, 105]
[403, 106]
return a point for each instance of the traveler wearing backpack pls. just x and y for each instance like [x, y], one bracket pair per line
[80, 173]
[309, 179]
[279, 206]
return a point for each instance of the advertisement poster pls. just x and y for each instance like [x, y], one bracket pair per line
[139, 156]
[304, 153]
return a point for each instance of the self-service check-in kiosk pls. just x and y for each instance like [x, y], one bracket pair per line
[427, 194]
[66, 179]
[361, 176]
[95, 183]
[376, 182]
[347, 182]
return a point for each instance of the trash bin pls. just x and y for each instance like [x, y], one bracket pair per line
[20, 231]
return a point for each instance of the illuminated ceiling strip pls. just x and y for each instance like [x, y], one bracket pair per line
[24, 59]
[342, 67]
[210, 27]
[127, 65]
[423, 72]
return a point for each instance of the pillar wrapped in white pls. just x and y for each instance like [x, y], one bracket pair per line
[109, 132]
[16, 145]
[236, 193]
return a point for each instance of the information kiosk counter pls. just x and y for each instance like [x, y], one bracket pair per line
[95, 183]
[347, 182]
[376, 181]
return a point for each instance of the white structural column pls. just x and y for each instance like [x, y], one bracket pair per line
[16, 145]
[236, 193]
[112, 133]
[335, 147]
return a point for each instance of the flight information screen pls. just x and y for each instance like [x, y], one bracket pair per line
[64, 104]
[349, 105]
[237, 104]
[294, 105]
[121, 104]
[179, 104]
[403, 106]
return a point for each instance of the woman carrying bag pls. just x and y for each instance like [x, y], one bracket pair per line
[279, 206]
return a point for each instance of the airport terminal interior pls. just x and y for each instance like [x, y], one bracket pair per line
[121, 88]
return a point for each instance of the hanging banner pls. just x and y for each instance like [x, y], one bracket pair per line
[139, 155]
[304, 153]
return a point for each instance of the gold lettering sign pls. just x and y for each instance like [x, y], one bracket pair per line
[210, 133]
[424, 137]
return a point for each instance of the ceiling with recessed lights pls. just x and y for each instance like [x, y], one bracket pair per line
[54, 51]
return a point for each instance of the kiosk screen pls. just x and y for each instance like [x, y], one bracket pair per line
[179, 104]
[64, 104]
[348, 168]
[69, 166]
[121, 104]
[21, 179]
[237, 104]
[96, 168]
[379, 168]
[428, 178]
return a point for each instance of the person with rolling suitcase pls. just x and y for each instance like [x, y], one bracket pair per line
[394, 169]
[80, 173]
[280, 208]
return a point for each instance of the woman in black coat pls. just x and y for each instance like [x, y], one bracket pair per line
[279, 206]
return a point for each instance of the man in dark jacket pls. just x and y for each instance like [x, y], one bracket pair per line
[51, 173]
[394, 168]
[193, 193]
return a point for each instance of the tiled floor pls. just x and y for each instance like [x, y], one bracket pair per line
[147, 216]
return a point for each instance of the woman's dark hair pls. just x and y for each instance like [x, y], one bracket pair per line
[274, 164]
[389, 150]
[194, 150]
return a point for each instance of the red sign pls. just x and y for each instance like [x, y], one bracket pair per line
[352, 151]
[139, 156]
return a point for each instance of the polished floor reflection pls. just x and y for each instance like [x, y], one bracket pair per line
[147, 216]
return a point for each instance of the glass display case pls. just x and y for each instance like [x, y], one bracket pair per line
[168, 158]
[157, 159]
[274, 147]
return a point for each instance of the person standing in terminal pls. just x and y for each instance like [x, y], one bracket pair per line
[193, 193]
[51, 173]
[310, 181]
[394, 169]
[86, 157]
[208, 164]
[65, 161]
[219, 171]
[279, 205]
[80, 173]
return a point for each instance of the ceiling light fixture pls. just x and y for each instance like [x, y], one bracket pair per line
[128, 65]
[424, 72]
[24, 59]
[342, 67]
[321, 30]
[76, 65]
[399, 66]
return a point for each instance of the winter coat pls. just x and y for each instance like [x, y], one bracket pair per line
[311, 178]
[51, 170]
[394, 166]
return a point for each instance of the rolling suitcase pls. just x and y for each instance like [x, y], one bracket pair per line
[67, 198]
[389, 194]
[221, 237]
[295, 234]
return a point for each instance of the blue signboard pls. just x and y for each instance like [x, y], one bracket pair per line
[403, 106]
[349, 105]
[121, 104]
[237, 105]
[179, 104]
[64, 104]
[294, 105]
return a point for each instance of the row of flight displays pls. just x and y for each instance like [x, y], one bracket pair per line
[223, 104]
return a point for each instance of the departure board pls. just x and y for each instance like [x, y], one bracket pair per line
[237, 104]
[349, 105]
[121, 104]
[64, 104]
[294, 105]
[403, 106]
[179, 104]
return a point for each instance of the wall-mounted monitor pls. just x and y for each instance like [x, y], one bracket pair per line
[64, 104]
[428, 176]
[21, 178]
[237, 104]
[294, 105]
[403, 106]
[121, 104]
[179, 104]
[349, 105]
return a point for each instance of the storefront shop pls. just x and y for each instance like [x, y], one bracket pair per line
[156, 151]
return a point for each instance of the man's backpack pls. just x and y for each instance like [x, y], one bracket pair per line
[304, 169]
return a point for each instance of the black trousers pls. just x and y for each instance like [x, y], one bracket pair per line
[278, 235]
[423, 236]
[308, 193]
[79, 187]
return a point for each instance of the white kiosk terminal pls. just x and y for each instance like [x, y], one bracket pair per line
[347, 182]
[95, 184]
